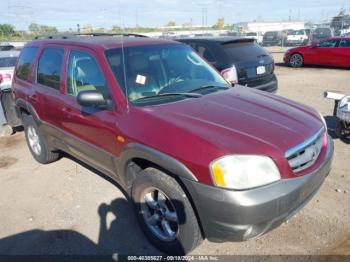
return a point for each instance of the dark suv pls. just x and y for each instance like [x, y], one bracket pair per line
[239, 60]
[199, 158]
[274, 38]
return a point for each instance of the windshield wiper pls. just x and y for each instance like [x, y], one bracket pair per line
[209, 87]
[169, 94]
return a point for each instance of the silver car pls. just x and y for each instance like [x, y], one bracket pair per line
[8, 61]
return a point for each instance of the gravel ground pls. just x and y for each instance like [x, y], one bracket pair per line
[54, 209]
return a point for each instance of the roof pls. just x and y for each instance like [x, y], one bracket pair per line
[101, 41]
[11, 53]
[219, 39]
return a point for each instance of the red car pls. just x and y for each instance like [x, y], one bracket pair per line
[330, 52]
[198, 157]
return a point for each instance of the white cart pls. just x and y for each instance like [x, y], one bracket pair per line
[341, 111]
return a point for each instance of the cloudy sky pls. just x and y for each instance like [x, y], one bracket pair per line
[65, 14]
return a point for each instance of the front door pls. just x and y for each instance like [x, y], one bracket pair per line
[90, 132]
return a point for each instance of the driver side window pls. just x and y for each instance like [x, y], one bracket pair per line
[84, 74]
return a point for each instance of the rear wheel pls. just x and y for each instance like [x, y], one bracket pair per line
[37, 143]
[165, 213]
[296, 60]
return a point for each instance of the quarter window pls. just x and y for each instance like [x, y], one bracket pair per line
[49, 67]
[84, 74]
[25, 62]
[344, 43]
[328, 44]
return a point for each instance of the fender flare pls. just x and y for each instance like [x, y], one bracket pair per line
[21, 103]
[135, 150]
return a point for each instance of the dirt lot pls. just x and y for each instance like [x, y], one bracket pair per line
[53, 209]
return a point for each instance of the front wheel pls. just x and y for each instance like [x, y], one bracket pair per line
[296, 60]
[165, 213]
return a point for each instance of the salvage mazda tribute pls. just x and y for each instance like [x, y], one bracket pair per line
[198, 157]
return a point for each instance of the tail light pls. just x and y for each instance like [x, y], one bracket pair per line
[230, 74]
[5, 77]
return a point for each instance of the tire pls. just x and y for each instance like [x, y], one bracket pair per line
[341, 130]
[296, 60]
[163, 191]
[37, 143]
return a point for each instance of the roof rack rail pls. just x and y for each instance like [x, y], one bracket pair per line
[111, 34]
[39, 37]
[62, 36]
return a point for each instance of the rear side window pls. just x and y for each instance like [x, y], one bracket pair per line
[205, 52]
[49, 67]
[344, 43]
[25, 62]
[243, 51]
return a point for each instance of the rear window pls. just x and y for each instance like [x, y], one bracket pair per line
[8, 61]
[25, 62]
[271, 33]
[251, 34]
[298, 32]
[322, 32]
[244, 51]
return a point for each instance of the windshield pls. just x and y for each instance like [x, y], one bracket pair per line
[8, 61]
[154, 70]
[298, 32]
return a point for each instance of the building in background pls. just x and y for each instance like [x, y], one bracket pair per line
[275, 26]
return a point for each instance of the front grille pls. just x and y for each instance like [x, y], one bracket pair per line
[305, 154]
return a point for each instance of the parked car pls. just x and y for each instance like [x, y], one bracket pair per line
[320, 34]
[199, 158]
[7, 65]
[297, 37]
[330, 52]
[274, 38]
[6, 47]
[239, 60]
[258, 36]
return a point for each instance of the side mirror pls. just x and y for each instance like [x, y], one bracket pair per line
[91, 98]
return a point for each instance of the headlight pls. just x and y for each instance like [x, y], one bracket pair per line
[243, 171]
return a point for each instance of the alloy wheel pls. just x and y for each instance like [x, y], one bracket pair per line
[159, 214]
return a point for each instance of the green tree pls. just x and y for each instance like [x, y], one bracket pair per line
[171, 24]
[36, 29]
[220, 23]
[7, 29]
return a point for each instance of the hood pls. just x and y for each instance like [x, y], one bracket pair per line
[242, 120]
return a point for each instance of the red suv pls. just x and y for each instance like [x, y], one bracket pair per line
[199, 158]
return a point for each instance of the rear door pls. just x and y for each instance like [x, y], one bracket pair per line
[90, 133]
[343, 53]
[324, 53]
[48, 89]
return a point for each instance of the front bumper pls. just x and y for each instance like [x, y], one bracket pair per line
[228, 215]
